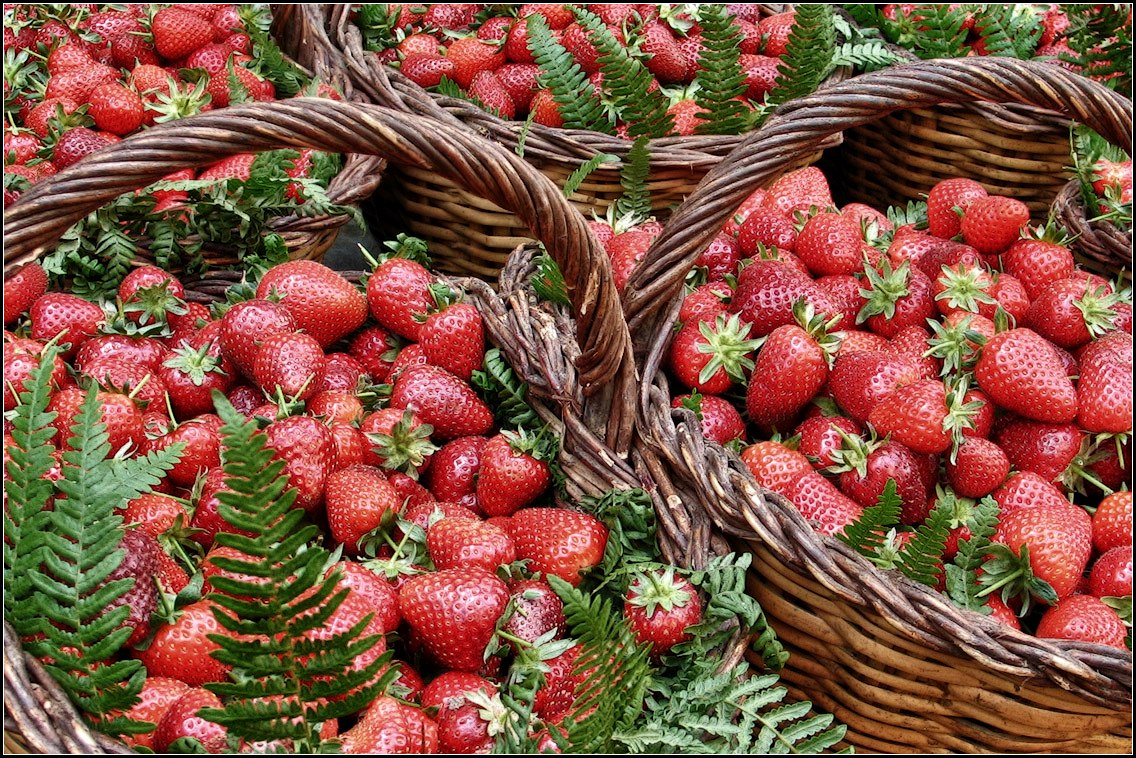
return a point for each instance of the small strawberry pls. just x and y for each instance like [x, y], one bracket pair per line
[512, 473]
[454, 468]
[453, 336]
[860, 380]
[866, 466]
[992, 223]
[21, 289]
[181, 649]
[1111, 573]
[1046, 449]
[470, 56]
[177, 33]
[246, 325]
[767, 291]
[356, 499]
[397, 292]
[181, 719]
[1040, 552]
[558, 541]
[824, 506]
[791, 368]
[427, 69]
[1071, 312]
[157, 695]
[389, 727]
[947, 200]
[829, 243]
[775, 30]
[760, 73]
[308, 451]
[1112, 522]
[799, 190]
[454, 612]
[718, 419]
[488, 89]
[978, 468]
[627, 250]
[289, 365]
[115, 108]
[712, 356]
[536, 611]
[916, 415]
[774, 465]
[321, 301]
[466, 543]
[659, 606]
[666, 60]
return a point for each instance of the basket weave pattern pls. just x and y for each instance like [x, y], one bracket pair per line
[905, 669]
[1100, 246]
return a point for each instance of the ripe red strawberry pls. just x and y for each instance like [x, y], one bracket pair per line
[712, 356]
[1026, 489]
[472, 55]
[558, 541]
[76, 144]
[487, 88]
[181, 720]
[443, 401]
[766, 227]
[1059, 540]
[453, 470]
[626, 250]
[916, 415]
[561, 686]
[1021, 372]
[129, 50]
[576, 41]
[866, 467]
[469, 724]
[1111, 573]
[426, 69]
[202, 450]
[122, 417]
[947, 200]
[246, 325]
[234, 167]
[115, 108]
[718, 419]
[1045, 449]
[454, 613]
[819, 436]
[775, 30]
[536, 611]
[454, 338]
[705, 303]
[545, 110]
[1112, 522]
[978, 468]
[774, 465]
[666, 60]
[687, 116]
[791, 368]
[191, 373]
[356, 498]
[21, 358]
[289, 365]
[388, 727]
[22, 289]
[177, 33]
[760, 73]
[895, 299]
[398, 440]
[829, 243]
[824, 506]
[1070, 312]
[659, 606]
[520, 81]
[76, 84]
[510, 476]
[141, 384]
[1038, 262]
[322, 302]
[992, 223]
[1083, 618]
[397, 292]
[798, 191]
[308, 451]
[465, 543]
[860, 380]
[181, 650]
[767, 291]
[157, 695]
[140, 563]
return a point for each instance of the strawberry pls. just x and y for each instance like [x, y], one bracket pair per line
[308, 451]
[76, 144]
[177, 33]
[791, 368]
[1084, 618]
[389, 727]
[819, 436]
[453, 471]
[895, 299]
[181, 649]
[659, 606]
[558, 541]
[321, 301]
[140, 563]
[766, 227]
[1112, 522]
[829, 243]
[122, 417]
[666, 60]
[775, 30]
[426, 69]
[21, 358]
[1045, 449]
[356, 499]
[520, 81]
[687, 116]
[21, 289]
[579, 45]
[140, 384]
[443, 401]
[711, 356]
[626, 250]
[825, 507]
[947, 200]
[409, 355]
[916, 415]
[202, 450]
[1038, 262]
[454, 339]
[465, 543]
[247, 324]
[1111, 573]
[1071, 312]
[157, 695]
[379, 596]
[562, 685]
[992, 223]
[128, 51]
[865, 467]
[510, 476]
[1026, 489]
[115, 108]
[470, 56]
[192, 373]
[545, 110]
[398, 440]
[1021, 372]
[799, 190]
[536, 611]
[453, 17]
[487, 88]
[289, 365]
[454, 613]
[557, 16]
[397, 292]
[469, 724]
[860, 380]
[718, 419]
[774, 465]
[767, 291]
[760, 73]
[978, 468]
[1058, 538]
[181, 720]
[705, 303]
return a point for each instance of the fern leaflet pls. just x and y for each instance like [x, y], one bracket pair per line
[635, 202]
[809, 54]
[867, 535]
[1008, 30]
[963, 587]
[577, 177]
[579, 105]
[505, 393]
[720, 80]
[548, 282]
[921, 558]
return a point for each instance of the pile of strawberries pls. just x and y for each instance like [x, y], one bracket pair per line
[487, 54]
[961, 355]
[83, 76]
[444, 518]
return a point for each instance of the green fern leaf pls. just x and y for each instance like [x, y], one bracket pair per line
[868, 533]
[505, 393]
[921, 558]
[577, 177]
[635, 202]
[1101, 39]
[809, 54]
[627, 82]
[1008, 30]
[866, 56]
[548, 282]
[963, 587]
[720, 82]
[579, 105]
[931, 31]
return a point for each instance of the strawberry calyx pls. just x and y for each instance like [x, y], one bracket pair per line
[543, 445]
[177, 102]
[956, 344]
[885, 288]
[195, 363]
[818, 328]
[1096, 306]
[443, 296]
[728, 344]
[654, 591]
[1011, 575]
[1094, 449]
[406, 447]
[853, 453]
[965, 287]
[960, 414]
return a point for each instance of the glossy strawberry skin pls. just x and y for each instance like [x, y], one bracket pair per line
[558, 541]
[356, 498]
[454, 338]
[1104, 389]
[308, 451]
[442, 400]
[1059, 538]
[509, 479]
[246, 325]
[291, 364]
[397, 291]
[463, 542]
[182, 650]
[322, 303]
[942, 200]
[914, 415]
[181, 719]
[454, 613]
[821, 503]
[1084, 618]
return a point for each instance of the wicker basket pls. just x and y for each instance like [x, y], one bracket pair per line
[905, 669]
[579, 365]
[1100, 246]
[469, 234]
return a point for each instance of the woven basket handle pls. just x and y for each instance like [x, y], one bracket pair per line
[799, 126]
[46, 211]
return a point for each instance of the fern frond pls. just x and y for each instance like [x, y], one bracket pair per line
[548, 283]
[963, 587]
[931, 31]
[626, 81]
[868, 533]
[720, 80]
[921, 559]
[872, 55]
[635, 202]
[1008, 30]
[1101, 39]
[289, 676]
[577, 177]
[809, 54]
[505, 393]
[579, 104]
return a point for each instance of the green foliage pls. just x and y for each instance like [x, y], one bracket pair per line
[720, 80]
[629, 516]
[626, 82]
[635, 202]
[59, 555]
[548, 282]
[577, 177]
[871, 55]
[930, 31]
[505, 393]
[963, 587]
[1101, 39]
[377, 22]
[809, 54]
[868, 533]
[267, 58]
[1008, 31]
[579, 106]
[1087, 148]
[287, 677]
[450, 88]
[921, 559]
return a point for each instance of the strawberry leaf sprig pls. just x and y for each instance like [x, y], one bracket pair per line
[286, 681]
[809, 54]
[62, 545]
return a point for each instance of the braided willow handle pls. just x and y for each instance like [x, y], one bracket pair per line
[46, 211]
